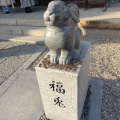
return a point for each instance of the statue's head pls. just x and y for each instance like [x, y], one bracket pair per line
[58, 14]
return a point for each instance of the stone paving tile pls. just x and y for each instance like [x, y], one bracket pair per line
[4, 44]
[9, 50]
[4, 21]
[22, 100]
[30, 22]
[2, 79]
[11, 64]
[22, 38]
[34, 31]
[15, 30]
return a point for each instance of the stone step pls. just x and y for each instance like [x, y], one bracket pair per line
[22, 22]
[100, 28]
[101, 33]
[21, 38]
[22, 30]
[100, 24]
[30, 22]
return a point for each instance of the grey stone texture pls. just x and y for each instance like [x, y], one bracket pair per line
[27, 63]
[21, 38]
[11, 64]
[67, 104]
[63, 36]
[1, 80]
[104, 58]
[4, 44]
[34, 31]
[111, 100]
[10, 50]
[96, 101]
[4, 21]
[30, 22]
[22, 100]
[6, 84]
[11, 29]
[22, 30]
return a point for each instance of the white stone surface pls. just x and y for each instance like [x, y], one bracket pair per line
[22, 30]
[1, 80]
[6, 63]
[22, 101]
[29, 39]
[15, 30]
[4, 21]
[30, 22]
[5, 86]
[67, 106]
[34, 31]
[21, 38]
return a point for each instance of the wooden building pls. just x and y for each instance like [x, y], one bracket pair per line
[85, 3]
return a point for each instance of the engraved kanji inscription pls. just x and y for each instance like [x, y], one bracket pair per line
[57, 86]
[59, 102]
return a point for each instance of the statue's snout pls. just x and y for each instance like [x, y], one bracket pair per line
[49, 16]
[49, 12]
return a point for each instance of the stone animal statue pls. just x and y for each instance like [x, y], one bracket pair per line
[63, 36]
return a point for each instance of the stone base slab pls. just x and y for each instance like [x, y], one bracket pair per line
[63, 92]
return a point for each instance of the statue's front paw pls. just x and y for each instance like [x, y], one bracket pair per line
[53, 59]
[64, 60]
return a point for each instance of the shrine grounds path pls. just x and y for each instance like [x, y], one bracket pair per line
[19, 91]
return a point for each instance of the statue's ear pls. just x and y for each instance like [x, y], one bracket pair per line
[74, 10]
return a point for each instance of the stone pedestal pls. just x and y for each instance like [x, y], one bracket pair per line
[63, 92]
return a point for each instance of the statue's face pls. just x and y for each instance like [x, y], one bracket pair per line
[57, 14]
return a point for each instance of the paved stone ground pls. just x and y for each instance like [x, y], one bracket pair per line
[19, 91]
[13, 55]
[22, 100]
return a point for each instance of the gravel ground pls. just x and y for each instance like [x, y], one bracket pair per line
[105, 58]
[105, 64]
[111, 101]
